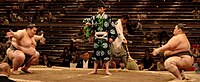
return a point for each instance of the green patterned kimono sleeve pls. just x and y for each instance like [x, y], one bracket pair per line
[112, 31]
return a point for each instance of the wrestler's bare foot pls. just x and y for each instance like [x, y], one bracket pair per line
[108, 73]
[93, 72]
[26, 71]
[15, 72]
[176, 80]
[183, 75]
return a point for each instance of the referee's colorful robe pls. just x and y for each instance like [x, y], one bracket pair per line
[102, 23]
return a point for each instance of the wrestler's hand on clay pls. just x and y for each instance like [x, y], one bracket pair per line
[10, 34]
[155, 51]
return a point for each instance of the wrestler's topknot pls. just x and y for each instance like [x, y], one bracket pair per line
[181, 26]
[31, 25]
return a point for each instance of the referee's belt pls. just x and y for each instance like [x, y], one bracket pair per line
[101, 35]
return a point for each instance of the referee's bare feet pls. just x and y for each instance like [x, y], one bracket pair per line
[108, 73]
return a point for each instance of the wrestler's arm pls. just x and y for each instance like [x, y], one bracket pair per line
[17, 35]
[183, 46]
[171, 45]
[40, 38]
[37, 37]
